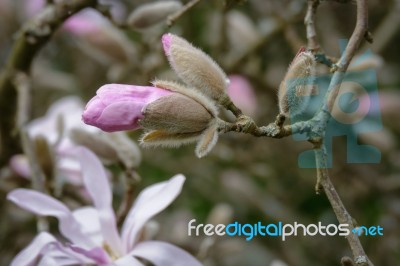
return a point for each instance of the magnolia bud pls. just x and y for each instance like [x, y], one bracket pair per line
[110, 147]
[242, 34]
[195, 68]
[185, 117]
[118, 107]
[96, 142]
[148, 15]
[176, 113]
[172, 114]
[296, 87]
[128, 151]
[100, 39]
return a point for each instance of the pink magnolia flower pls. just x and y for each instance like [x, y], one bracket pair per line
[119, 107]
[92, 233]
[242, 94]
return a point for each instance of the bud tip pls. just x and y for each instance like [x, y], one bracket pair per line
[166, 41]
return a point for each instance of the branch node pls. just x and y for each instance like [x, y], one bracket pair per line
[361, 261]
[368, 37]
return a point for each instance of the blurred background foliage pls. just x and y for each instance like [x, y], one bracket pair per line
[244, 178]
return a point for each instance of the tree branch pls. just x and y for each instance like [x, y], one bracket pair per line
[313, 44]
[174, 17]
[316, 127]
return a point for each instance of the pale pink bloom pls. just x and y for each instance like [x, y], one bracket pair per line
[92, 233]
[119, 107]
[242, 94]
[69, 110]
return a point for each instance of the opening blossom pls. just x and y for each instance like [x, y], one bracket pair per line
[92, 233]
[172, 114]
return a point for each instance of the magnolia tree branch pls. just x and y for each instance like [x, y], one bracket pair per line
[174, 17]
[30, 40]
[316, 127]
[310, 27]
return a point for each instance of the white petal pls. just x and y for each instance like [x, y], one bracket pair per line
[70, 108]
[127, 261]
[44, 205]
[33, 250]
[162, 253]
[70, 169]
[150, 202]
[88, 217]
[98, 187]
[48, 261]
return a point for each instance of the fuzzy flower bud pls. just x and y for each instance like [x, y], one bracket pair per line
[195, 68]
[150, 14]
[296, 87]
[170, 113]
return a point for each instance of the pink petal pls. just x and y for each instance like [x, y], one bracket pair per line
[166, 41]
[120, 116]
[161, 253]
[98, 187]
[28, 255]
[118, 107]
[44, 205]
[150, 202]
[97, 254]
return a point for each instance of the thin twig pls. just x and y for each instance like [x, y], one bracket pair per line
[313, 44]
[316, 127]
[340, 211]
[387, 29]
[174, 17]
[324, 181]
